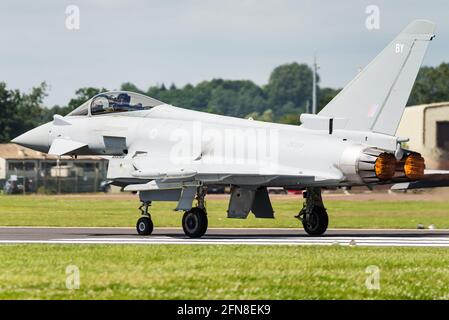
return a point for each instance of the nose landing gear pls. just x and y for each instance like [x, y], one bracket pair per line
[144, 225]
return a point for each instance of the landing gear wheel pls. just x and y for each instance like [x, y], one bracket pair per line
[144, 226]
[194, 223]
[315, 223]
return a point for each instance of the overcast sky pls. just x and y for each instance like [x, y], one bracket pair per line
[153, 42]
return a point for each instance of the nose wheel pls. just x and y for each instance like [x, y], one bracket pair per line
[144, 225]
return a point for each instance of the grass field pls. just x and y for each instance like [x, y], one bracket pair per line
[221, 272]
[122, 211]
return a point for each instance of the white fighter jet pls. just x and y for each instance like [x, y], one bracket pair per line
[167, 153]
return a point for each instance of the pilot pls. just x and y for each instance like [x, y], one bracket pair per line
[123, 99]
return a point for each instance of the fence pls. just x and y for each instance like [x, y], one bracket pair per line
[42, 180]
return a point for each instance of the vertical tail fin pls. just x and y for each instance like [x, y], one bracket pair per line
[375, 99]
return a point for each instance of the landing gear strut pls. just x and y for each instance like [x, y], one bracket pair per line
[313, 215]
[144, 225]
[194, 221]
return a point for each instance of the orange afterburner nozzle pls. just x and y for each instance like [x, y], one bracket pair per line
[385, 166]
[414, 166]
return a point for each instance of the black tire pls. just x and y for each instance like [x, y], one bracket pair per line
[315, 223]
[144, 226]
[194, 223]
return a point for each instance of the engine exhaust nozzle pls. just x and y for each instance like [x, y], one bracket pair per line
[414, 166]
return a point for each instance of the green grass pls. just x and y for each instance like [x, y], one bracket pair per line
[221, 272]
[101, 211]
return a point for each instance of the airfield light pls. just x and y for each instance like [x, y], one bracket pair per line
[414, 166]
[385, 166]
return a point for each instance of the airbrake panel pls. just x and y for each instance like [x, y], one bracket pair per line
[244, 200]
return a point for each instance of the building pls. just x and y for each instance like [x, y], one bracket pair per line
[427, 126]
[32, 171]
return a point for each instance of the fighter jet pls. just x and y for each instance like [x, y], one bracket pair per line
[166, 153]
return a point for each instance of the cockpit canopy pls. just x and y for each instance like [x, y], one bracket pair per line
[113, 102]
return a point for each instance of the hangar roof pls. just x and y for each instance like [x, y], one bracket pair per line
[425, 106]
[12, 151]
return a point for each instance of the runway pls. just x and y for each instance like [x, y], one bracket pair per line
[226, 236]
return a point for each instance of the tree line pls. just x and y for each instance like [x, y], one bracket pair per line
[286, 95]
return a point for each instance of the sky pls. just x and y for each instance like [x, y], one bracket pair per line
[188, 41]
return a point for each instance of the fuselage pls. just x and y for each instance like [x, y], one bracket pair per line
[208, 143]
[166, 143]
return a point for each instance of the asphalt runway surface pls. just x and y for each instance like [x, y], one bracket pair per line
[223, 236]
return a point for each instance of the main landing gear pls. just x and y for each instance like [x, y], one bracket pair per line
[313, 215]
[194, 221]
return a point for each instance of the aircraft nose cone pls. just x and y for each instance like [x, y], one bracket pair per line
[36, 139]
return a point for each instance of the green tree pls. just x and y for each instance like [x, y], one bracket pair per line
[228, 97]
[291, 118]
[128, 86]
[20, 112]
[8, 112]
[267, 116]
[432, 85]
[235, 98]
[289, 87]
[325, 95]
